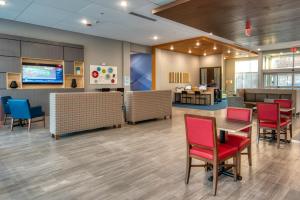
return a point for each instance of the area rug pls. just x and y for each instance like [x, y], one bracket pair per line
[217, 106]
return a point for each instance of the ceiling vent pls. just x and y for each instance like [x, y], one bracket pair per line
[143, 16]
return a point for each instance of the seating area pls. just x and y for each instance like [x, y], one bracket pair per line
[149, 100]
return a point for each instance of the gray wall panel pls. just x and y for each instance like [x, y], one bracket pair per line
[37, 50]
[36, 97]
[9, 64]
[9, 47]
[69, 67]
[73, 54]
[2, 81]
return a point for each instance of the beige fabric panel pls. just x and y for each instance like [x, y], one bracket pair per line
[144, 105]
[73, 112]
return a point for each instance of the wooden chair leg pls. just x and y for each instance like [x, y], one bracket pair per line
[291, 131]
[278, 138]
[235, 166]
[44, 119]
[5, 118]
[188, 169]
[12, 124]
[258, 135]
[249, 151]
[215, 177]
[29, 124]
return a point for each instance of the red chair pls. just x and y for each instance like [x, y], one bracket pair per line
[202, 144]
[268, 118]
[240, 141]
[286, 103]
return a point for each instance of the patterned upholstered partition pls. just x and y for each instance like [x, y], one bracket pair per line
[73, 112]
[144, 105]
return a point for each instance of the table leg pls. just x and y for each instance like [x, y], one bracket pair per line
[226, 171]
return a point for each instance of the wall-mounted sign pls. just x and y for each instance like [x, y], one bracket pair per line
[100, 74]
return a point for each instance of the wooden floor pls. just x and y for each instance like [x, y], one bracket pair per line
[143, 161]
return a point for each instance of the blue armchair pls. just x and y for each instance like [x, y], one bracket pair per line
[5, 107]
[20, 109]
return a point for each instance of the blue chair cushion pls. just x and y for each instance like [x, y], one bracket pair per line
[36, 112]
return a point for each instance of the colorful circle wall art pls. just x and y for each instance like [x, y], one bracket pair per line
[110, 70]
[103, 74]
[95, 74]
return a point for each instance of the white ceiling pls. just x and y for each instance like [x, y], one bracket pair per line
[115, 23]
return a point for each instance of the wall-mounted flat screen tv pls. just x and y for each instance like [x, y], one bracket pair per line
[42, 74]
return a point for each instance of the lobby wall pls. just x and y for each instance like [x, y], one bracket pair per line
[98, 50]
[168, 61]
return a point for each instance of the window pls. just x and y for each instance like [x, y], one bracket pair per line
[279, 80]
[246, 74]
[281, 69]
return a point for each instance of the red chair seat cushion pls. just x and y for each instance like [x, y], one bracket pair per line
[223, 149]
[238, 141]
[283, 122]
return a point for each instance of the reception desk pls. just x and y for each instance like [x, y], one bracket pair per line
[209, 94]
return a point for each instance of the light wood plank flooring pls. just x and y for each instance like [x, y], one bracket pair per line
[143, 161]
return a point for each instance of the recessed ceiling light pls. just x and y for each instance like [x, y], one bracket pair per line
[224, 58]
[215, 48]
[155, 37]
[228, 51]
[258, 49]
[190, 51]
[84, 21]
[204, 54]
[210, 33]
[172, 48]
[2, 3]
[124, 4]
[198, 44]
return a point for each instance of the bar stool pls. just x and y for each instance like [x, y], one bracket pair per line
[184, 95]
[200, 97]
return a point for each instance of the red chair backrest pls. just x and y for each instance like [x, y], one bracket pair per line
[239, 114]
[200, 130]
[268, 111]
[284, 103]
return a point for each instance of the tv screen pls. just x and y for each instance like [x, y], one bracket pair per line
[42, 73]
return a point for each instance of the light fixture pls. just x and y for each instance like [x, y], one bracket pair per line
[2, 3]
[190, 51]
[237, 53]
[281, 53]
[84, 21]
[204, 54]
[172, 48]
[228, 51]
[224, 58]
[297, 51]
[210, 33]
[215, 48]
[155, 37]
[124, 4]
[198, 44]
[258, 49]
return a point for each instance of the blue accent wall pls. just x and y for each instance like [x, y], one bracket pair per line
[141, 71]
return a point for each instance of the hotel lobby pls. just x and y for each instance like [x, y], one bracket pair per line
[149, 99]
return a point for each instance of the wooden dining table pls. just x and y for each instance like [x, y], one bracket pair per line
[224, 126]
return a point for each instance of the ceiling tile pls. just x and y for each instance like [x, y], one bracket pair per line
[42, 15]
[115, 4]
[69, 5]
